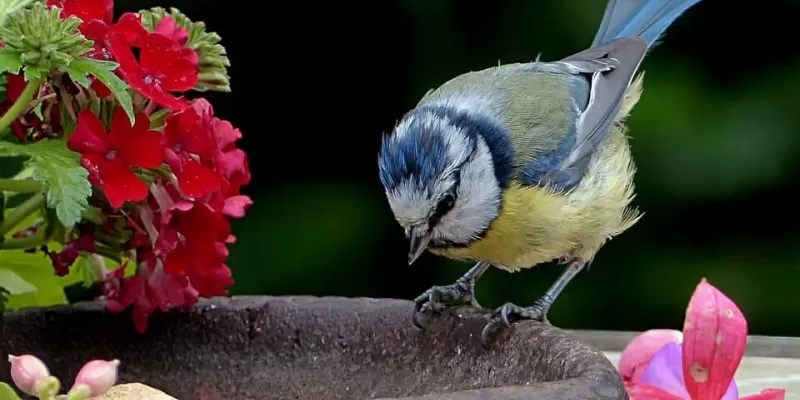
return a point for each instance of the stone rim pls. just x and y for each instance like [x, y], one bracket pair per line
[251, 346]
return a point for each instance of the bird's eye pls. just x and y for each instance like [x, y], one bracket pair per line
[443, 207]
[447, 203]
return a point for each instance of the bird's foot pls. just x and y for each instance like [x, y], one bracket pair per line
[509, 313]
[438, 298]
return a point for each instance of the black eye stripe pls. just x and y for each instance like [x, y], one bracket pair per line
[442, 207]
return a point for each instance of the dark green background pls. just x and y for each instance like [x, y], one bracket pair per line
[716, 137]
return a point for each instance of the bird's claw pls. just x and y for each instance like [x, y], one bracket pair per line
[438, 298]
[509, 313]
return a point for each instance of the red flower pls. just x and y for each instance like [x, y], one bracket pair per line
[186, 134]
[191, 237]
[129, 26]
[194, 245]
[150, 289]
[86, 10]
[64, 259]
[230, 163]
[164, 66]
[109, 157]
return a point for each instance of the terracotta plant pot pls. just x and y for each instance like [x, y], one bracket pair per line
[311, 348]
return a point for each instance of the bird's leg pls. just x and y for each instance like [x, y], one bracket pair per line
[509, 312]
[438, 297]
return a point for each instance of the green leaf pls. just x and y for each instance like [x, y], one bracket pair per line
[9, 61]
[37, 270]
[68, 187]
[79, 68]
[13, 283]
[82, 271]
[33, 72]
[7, 392]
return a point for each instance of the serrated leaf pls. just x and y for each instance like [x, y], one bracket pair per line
[7, 392]
[78, 77]
[37, 269]
[79, 68]
[9, 61]
[13, 283]
[59, 168]
[31, 73]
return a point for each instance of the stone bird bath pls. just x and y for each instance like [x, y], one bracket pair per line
[282, 348]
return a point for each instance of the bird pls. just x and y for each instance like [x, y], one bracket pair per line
[526, 163]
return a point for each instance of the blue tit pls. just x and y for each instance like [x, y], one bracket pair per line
[520, 164]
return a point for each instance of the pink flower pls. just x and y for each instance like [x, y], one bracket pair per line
[637, 354]
[27, 371]
[703, 365]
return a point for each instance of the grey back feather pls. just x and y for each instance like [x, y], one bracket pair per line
[612, 68]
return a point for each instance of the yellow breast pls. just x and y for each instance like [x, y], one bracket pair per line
[537, 225]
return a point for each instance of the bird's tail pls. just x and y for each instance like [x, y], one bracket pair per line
[646, 18]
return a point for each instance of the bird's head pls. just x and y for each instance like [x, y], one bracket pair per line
[439, 180]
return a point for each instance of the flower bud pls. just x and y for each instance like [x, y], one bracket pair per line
[27, 371]
[95, 378]
[637, 354]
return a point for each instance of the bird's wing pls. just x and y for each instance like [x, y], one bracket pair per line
[610, 70]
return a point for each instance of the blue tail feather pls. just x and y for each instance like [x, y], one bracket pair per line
[646, 18]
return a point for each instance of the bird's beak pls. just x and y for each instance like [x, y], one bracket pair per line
[419, 240]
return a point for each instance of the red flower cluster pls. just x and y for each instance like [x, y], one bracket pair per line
[169, 190]
[164, 64]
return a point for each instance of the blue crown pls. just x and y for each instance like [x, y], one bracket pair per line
[420, 154]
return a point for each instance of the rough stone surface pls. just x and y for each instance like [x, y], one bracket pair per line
[134, 391]
[282, 348]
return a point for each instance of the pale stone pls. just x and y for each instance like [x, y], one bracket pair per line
[134, 391]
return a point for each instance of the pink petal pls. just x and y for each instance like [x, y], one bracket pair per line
[714, 339]
[637, 353]
[167, 27]
[646, 391]
[767, 394]
[664, 371]
[235, 207]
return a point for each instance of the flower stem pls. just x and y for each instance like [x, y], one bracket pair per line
[109, 252]
[30, 242]
[23, 211]
[20, 185]
[20, 105]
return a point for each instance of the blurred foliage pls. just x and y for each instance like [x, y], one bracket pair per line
[714, 136]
